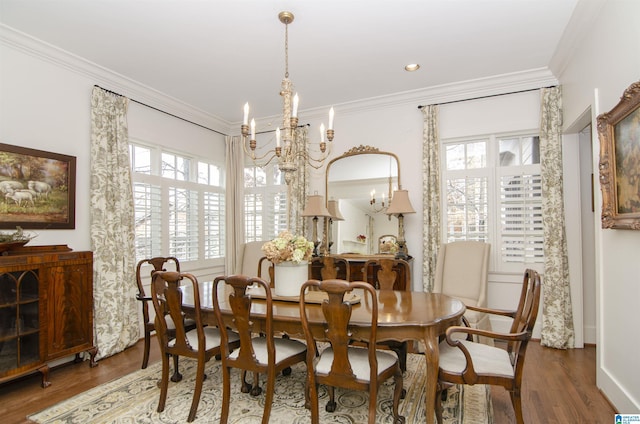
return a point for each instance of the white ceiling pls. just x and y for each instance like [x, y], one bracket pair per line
[215, 55]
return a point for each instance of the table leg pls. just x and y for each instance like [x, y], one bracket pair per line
[431, 354]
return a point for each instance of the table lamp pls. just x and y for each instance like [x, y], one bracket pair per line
[315, 207]
[334, 210]
[400, 206]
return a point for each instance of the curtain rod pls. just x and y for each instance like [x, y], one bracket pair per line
[160, 110]
[483, 97]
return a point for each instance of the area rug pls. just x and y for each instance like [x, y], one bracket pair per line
[134, 399]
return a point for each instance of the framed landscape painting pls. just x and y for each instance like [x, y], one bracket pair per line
[37, 189]
[619, 134]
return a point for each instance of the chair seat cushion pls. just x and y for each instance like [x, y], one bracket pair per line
[188, 322]
[285, 348]
[359, 359]
[211, 338]
[486, 359]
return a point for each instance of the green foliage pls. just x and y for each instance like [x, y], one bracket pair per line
[18, 235]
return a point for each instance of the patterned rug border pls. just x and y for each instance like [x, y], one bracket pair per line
[133, 398]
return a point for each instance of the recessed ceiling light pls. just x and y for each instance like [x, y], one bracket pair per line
[412, 67]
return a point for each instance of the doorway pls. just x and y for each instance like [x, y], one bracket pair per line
[588, 223]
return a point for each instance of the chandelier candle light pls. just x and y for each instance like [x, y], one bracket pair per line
[290, 146]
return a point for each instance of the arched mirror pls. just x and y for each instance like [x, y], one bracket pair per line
[361, 181]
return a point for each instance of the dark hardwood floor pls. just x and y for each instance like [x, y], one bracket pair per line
[559, 387]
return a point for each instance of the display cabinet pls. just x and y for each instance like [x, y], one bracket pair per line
[46, 309]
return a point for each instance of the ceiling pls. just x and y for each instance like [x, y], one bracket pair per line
[215, 55]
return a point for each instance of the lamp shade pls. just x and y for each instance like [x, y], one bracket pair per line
[335, 211]
[400, 203]
[315, 206]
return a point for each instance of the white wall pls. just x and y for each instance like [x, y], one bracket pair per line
[45, 105]
[594, 69]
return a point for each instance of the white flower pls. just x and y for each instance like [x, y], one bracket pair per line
[287, 247]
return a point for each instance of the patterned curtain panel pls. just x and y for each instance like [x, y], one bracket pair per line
[557, 317]
[235, 203]
[112, 226]
[297, 191]
[430, 194]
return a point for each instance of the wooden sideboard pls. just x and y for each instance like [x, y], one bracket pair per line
[356, 267]
[46, 308]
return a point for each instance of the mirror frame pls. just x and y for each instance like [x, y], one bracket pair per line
[355, 151]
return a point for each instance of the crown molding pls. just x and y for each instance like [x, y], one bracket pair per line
[464, 90]
[108, 79]
[459, 91]
[580, 24]
[470, 89]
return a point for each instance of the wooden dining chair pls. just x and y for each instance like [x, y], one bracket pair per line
[200, 343]
[468, 362]
[330, 267]
[342, 365]
[159, 263]
[260, 352]
[388, 275]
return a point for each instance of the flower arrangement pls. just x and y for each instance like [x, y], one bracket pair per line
[288, 248]
[361, 238]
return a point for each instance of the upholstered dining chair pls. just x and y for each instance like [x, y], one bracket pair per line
[385, 275]
[342, 365]
[467, 362]
[255, 264]
[262, 354]
[462, 271]
[159, 263]
[201, 343]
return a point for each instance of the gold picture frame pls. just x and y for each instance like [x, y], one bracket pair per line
[37, 189]
[619, 167]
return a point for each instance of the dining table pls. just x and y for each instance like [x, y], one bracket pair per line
[402, 316]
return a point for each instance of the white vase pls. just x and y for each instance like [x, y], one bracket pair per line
[289, 277]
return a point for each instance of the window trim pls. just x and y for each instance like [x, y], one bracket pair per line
[154, 178]
[493, 171]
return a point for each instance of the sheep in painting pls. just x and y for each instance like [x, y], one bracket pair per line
[6, 186]
[41, 188]
[20, 197]
[34, 195]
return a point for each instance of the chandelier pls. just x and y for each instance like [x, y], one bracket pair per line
[291, 148]
[384, 204]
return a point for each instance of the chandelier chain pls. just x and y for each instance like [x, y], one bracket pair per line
[286, 50]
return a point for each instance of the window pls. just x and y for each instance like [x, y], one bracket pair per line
[179, 205]
[492, 193]
[265, 202]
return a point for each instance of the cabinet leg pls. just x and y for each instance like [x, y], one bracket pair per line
[92, 361]
[44, 370]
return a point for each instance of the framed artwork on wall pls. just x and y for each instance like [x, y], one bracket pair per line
[619, 134]
[37, 189]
